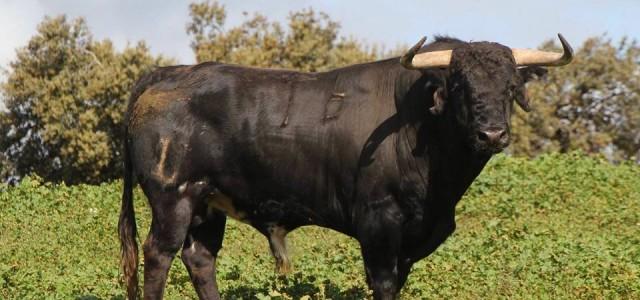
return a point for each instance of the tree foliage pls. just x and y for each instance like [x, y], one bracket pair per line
[65, 95]
[309, 43]
[591, 104]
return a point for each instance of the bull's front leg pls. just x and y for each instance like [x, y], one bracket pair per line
[379, 232]
[441, 229]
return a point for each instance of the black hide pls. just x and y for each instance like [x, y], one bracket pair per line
[355, 150]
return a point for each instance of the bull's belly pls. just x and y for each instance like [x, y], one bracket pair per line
[223, 203]
[263, 214]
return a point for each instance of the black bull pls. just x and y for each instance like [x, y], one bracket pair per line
[377, 151]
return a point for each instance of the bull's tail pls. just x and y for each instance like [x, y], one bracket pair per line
[127, 228]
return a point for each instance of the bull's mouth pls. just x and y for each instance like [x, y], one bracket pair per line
[489, 148]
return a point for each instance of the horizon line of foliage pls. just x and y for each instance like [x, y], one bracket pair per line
[561, 226]
[65, 93]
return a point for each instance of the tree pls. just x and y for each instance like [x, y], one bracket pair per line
[65, 95]
[311, 42]
[591, 104]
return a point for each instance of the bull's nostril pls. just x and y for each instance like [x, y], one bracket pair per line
[503, 133]
[482, 136]
[491, 136]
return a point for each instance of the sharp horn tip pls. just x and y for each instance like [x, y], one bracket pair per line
[419, 44]
[565, 44]
[562, 39]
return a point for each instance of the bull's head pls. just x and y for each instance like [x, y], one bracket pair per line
[483, 81]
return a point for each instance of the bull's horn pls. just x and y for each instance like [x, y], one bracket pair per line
[433, 59]
[529, 57]
[523, 57]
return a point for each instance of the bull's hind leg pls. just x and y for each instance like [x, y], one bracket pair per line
[199, 254]
[278, 245]
[170, 221]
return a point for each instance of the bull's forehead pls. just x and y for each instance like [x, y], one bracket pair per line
[489, 48]
[485, 66]
[483, 54]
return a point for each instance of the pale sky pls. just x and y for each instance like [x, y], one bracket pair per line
[161, 23]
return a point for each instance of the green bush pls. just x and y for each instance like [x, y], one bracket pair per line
[554, 227]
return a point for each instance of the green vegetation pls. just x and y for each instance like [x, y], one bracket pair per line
[557, 227]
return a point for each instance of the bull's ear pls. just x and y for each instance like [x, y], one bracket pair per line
[523, 100]
[530, 73]
[439, 98]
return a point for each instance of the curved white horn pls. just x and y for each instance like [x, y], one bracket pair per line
[529, 57]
